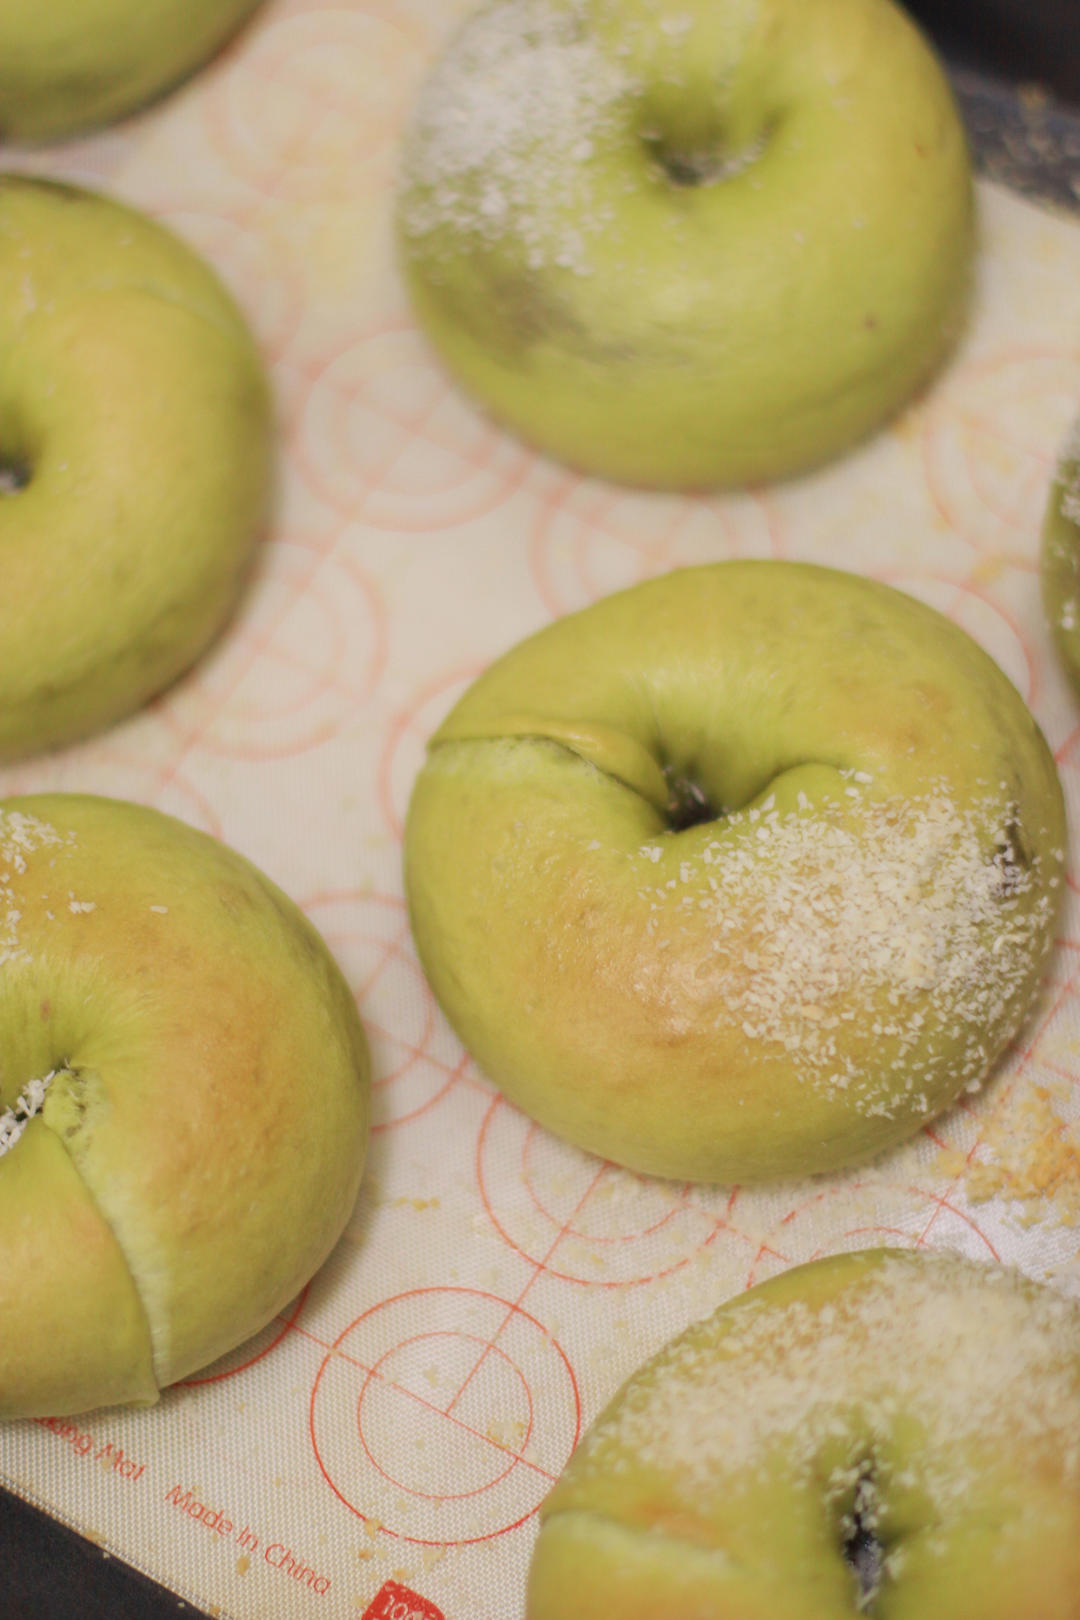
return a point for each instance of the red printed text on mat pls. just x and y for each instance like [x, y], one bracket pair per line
[394, 1602]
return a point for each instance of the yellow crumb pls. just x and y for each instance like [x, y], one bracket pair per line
[509, 1432]
[988, 569]
[1031, 1157]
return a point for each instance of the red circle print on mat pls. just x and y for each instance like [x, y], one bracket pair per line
[444, 1415]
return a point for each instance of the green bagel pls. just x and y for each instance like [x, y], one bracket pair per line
[70, 65]
[742, 873]
[688, 245]
[136, 454]
[1060, 557]
[183, 1102]
[915, 1415]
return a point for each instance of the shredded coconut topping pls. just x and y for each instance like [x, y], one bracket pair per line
[971, 1363]
[20, 835]
[513, 107]
[912, 922]
[13, 1121]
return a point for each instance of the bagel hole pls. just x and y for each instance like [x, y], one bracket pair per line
[688, 804]
[707, 166]
[865, 1556]
[14, 475]
[1012, 856]
[863, 1550]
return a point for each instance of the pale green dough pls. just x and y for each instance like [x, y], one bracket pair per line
[849, 939]
[926, 1402]
[136, 426]
[68, 65]
[1060, 559]
[692, 242]
[202, 1114]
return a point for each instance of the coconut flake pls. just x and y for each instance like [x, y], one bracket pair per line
[913, 921]
[979, 1360]
[510, 113]
[13, 1121]
[21, 835]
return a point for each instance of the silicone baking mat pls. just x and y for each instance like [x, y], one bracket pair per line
[381, 1450]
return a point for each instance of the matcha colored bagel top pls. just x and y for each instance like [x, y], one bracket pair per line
[745, 872]
[1060, 556]
[688, 244]
[183, 1102]
[920, 1404]
[68, 65]
[136, 433]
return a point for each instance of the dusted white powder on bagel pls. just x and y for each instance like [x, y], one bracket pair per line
[889, 1431]
[814, 916]
[13, 1121]
[974, 1356]
[20, 835]
[743, 873]
[687, 245]
[509, 113]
